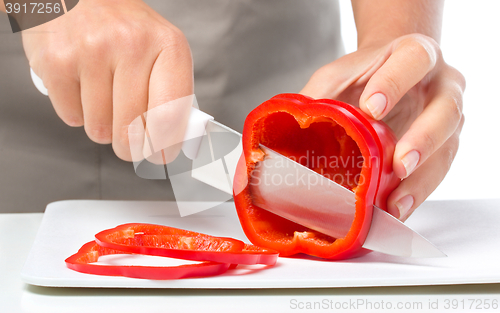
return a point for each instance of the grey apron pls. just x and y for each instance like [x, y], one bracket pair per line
[244, 51]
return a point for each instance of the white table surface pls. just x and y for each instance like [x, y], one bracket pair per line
[17, 232]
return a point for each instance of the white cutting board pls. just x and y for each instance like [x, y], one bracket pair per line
[467, 231]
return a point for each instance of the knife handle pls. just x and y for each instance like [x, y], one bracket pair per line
[195, 129]
[38, 83]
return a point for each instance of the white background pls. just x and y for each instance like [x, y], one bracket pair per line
[471, 43]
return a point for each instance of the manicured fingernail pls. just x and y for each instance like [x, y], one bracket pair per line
[376, 104]
[410, 161]
[404, 205]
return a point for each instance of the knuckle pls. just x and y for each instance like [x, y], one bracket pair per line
[394, 85]
[124, 38]
[172, 36]
[450, 151]
[454, 140]
[454, 107]
[429, 142]
[131, 37]
[421, 48]
[453, 96]
[59, 58]
[174, 41]
[95, 44]
[454, 143]
[424, 187]
[458, 77]
[461, 125]
[425, 190]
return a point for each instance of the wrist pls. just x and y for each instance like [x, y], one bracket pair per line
[382, 21]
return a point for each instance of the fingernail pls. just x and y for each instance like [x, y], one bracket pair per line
[410, 161]
[376, 104]
[404, 205]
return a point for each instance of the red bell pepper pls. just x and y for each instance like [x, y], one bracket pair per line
[332, 138]
[172, 242]
[91, 251]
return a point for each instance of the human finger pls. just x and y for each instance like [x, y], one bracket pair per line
[96, 81]
[414, 189]
[411, 58]
[170, 100]
[432, 128]
[130, 101]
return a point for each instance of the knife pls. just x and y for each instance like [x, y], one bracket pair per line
[299, 195]
[324, 206]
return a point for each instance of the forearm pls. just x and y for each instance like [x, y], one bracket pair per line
[2, 6]
[381, 21]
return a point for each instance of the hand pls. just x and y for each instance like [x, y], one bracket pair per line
[105, 63]
[407, 84]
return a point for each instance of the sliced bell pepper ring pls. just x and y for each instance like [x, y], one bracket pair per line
[91, 251]
[172, 242]
[332, 138]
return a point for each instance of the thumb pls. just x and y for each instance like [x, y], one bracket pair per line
[352, 70]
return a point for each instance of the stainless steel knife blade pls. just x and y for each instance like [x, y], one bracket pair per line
[388, 236]
[295, 192]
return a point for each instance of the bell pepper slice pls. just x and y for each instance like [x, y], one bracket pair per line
[91, 251]
[332, 138]
[172, 242]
